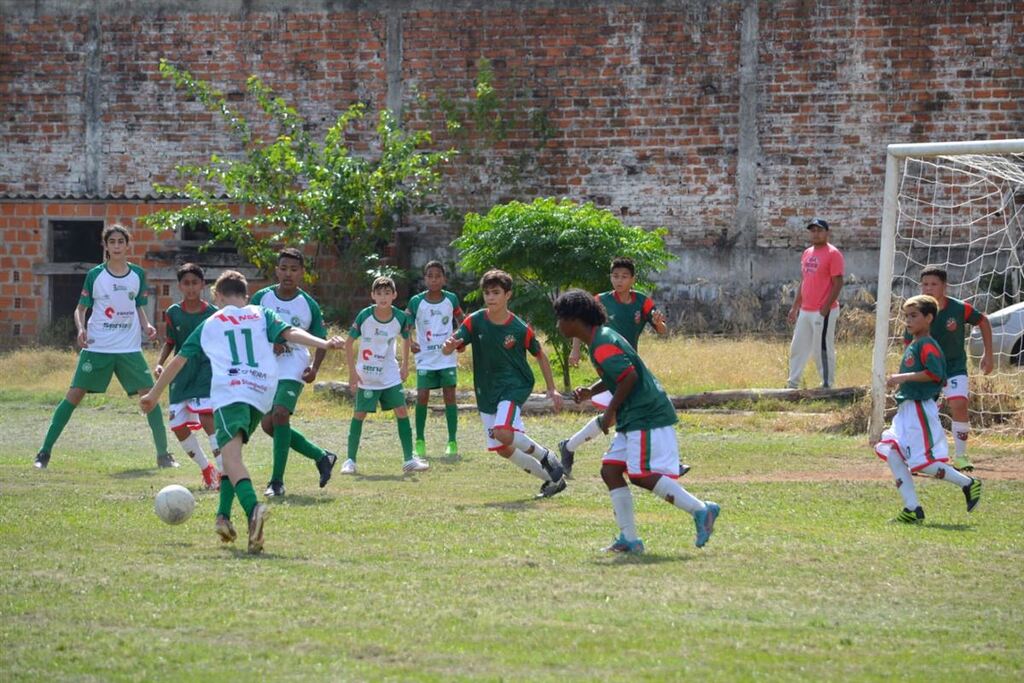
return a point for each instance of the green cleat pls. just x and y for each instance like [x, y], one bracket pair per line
[421, 448]
[962, 464]
[451, 450]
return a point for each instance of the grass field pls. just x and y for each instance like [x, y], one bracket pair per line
[459, 573]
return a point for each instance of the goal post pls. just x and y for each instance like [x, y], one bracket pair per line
[959, 205]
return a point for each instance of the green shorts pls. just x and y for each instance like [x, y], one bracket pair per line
[390, 398]
[95, 370]
[436, 379]
[288, 392]
[234, 418]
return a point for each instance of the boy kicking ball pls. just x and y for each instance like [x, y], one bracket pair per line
[239, 341]
[644, 446]
[916, 442]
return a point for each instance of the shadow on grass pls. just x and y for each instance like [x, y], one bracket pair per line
[616, 559]
[949, 527]
[513, 505]
[241, 553]
[301, 501]
[134, 474]
[386, 477]
[447, 459]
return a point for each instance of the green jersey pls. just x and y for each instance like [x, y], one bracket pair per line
[194, 379]
[950, 331]
[628, 317]
[647, 406]
[922, 354]
[500, 370]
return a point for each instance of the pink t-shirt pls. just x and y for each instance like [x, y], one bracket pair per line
[819, 265]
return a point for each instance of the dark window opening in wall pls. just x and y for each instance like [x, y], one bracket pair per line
[199, 234]
[71, 242]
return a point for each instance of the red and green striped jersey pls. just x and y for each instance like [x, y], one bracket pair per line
[500, 369]
[194, 379]
[647, 406]
[922, 354]
[628, 316]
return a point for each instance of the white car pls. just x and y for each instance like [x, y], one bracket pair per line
[1007, 336]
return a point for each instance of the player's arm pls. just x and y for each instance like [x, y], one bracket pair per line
[833, 294]
[622, 390]
[795, 308]
[149, 400]
[457, 340]
[299, 336]
[406, 346]
[986, 339]
[549, 379]
[574, 353]
[167, 349]
[580, 394]
[83, 333]
[919, 376]
[144, 322]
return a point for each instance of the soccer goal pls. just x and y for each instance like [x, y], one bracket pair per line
[958, 205]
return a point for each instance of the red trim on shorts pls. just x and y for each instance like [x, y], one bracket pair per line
[893, 442]
[606, 351]
[926, 432]
[509, 418]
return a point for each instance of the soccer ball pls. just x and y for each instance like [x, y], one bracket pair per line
[174, 504]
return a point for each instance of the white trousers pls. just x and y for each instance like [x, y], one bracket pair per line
[814, 336]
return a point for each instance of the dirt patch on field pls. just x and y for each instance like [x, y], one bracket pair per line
[1002, 469]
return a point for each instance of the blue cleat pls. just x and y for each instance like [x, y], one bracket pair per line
[705, 521]
[621, 545]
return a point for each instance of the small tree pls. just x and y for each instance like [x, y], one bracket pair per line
[552, 245]
[300, 191]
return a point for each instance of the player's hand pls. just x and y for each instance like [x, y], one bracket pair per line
[450, 344]
[146, 403]
[414, 346]
[83, 339]
[891, 381]
[581, 394]
[309, 375]
[607, 418]
[658, 319]
[336, 342]
[791, 317]
[574, 358]
[353, 385]
[987, 364]
[824, 310]
[556, 401]
[150, 332]
[157, 371]
[279, 349]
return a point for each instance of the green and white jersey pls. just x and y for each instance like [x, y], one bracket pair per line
[240, 345]
[300, 311]
[922, 354]
[434, 322]
[500, 369]
[377, 364]
[113, 325]
[194, 379]
[647, 406]
[628, 316]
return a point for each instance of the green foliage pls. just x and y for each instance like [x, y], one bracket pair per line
[301, 190]
[552, 245]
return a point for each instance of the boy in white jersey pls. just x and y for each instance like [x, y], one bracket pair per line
[377, 376]
[298, 309]
[435, 314]
[239, 341]
[111, 342]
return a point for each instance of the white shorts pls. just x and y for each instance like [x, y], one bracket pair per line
[916, 435]
[601, 400]
[956, 387]
[507, 416]
[645, 452]
[186, 413]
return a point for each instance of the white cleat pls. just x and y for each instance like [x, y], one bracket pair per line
[348, 467]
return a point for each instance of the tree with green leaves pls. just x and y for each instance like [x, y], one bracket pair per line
[552, 245]
[301, 191]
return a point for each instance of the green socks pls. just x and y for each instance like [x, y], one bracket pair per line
[227, 497]
[60, 419]
[355, 432]
[282, 444]
[155, 418]
[246, 495]
[305, 447]
[421, 421]
[451, 416]
[405, 436]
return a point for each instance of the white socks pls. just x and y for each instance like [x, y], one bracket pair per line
[589, 431]
[670, 491]
[530, 464]
[527, 445]
[941, 470]
[622, 504]
[960, 432]
[904, 482]
[195, 451]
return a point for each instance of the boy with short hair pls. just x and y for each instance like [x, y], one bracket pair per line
[916, 442]
[111, 341]
[377, 377]
[190, 408]
[644, 446]
[628, 311]
[435, 313]
[298, 309]
[239, 341]
[949, 329]
[503, 380]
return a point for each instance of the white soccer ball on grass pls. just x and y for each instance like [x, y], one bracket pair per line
[174, 504]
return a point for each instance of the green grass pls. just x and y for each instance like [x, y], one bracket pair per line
[459, 574]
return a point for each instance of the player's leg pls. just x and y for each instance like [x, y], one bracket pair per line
[936, 458]
[510, 430]
[206, 420]
[366, 402]
[235, 423]
[422, 400]
[92, 375]
[801, 347]
[277, 424]
[957, 392]
[324, 459]
[449, 381]
[567, 448]
[181, 419]
[393, 398]
[132, 372]
[613, 473]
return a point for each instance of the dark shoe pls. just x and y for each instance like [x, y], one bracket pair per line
[552, 467]
[275, 489]
[256, 521]
[325, 466]
[972, 492]
[683, 469]
[166, 460]
[42, 460]
[568, 457]
[550, 488]
[915, 516]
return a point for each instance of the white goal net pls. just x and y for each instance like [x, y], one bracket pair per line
[959, 206]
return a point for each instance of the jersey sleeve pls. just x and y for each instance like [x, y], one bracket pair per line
[611, 361]
[193, 346]
[90, 278]
[316, 325]
[142, 298]
[169, 327]
[972, 315]
[275, 326]
[414, 305]
[531, 342]
[454, 300]
[256, 298]
[354, 331]
[465, 332]
[647, 311]
[933, 362]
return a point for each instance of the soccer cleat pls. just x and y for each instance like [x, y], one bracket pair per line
[567, 456]
[552, 467]
[256, 521]
[451, 450]
[551, 488]
[348, 467]
[683, 469]
[621, 545]
[325, 466]
[225, 529]
[972, 492]
[42, 460]
[421, 448]
[705, 522]
[211, 478]
[275, 489]
[166, 460]
[962, 464]
[415, 464]
[914, 516]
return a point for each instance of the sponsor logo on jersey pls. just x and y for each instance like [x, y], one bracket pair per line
[367, 354]
[109, 311]
[429, 335]
[950, 324]
[636, 318]
[445, 320]
[295, 321]
[509, 342]
[237, 319]
[233, 371]
[235, 382]
[131, 296]
[909, 361]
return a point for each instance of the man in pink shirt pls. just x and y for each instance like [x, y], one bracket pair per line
[816, 309]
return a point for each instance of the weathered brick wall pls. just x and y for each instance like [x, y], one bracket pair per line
[728, 122]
